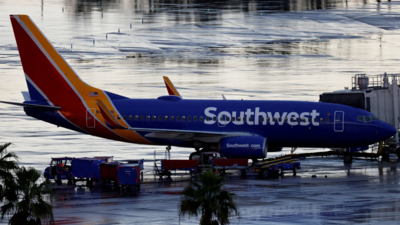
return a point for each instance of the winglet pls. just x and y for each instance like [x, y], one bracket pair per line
[108, 116]
[170, 87]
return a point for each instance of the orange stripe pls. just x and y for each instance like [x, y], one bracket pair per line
[82, 88]
[171, 86]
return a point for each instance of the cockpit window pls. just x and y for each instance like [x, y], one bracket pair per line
[367, 118]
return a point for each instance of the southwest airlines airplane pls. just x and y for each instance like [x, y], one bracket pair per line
[236, 128]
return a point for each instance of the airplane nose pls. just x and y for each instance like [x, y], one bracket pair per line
[387, 130]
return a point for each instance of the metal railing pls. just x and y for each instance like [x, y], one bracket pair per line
[375, 81]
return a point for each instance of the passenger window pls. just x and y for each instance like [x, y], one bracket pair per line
[267, 119]
[124, 117]
[238, 119]
[201, 118]
[280, 119]
[327, 120]
[177, 118]
[142, 117]
[148, 117]
[183, 118]
[233, 118]
[130, 117]
[315, 119]
[274, 119]
[165, 117]
[154, 118]
[221, 118]
[171, 118]
[159, 118]
[262, 119]
[285, 119]
[194, 118]
[227, 118]
[215, 118]
[250, 118]
[118, 117]
[136, 117]
[189, 118]
[322, 120]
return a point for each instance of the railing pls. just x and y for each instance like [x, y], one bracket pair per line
[374, 81]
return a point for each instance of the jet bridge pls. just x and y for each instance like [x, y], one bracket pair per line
[378, 94]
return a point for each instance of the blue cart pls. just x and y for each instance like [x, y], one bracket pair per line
[277, 166]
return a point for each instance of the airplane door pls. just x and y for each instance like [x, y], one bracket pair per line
[90, 121]
[339, 121]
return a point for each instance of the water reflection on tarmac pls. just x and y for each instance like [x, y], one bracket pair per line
[365, 192]
[288, 50]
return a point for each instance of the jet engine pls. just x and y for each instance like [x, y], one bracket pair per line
[250, 147]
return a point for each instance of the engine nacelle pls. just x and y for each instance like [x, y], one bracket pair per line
[249, 147]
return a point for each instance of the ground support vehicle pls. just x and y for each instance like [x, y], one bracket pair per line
[59, 169]
[122, 174]
[277, 166]
[164, 167]
[222, 165]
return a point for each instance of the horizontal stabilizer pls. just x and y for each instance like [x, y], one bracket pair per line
[49, 107]
[108, 116]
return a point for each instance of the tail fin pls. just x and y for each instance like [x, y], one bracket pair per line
[48, 75]
[170, 87]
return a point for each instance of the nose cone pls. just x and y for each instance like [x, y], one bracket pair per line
[387, 131]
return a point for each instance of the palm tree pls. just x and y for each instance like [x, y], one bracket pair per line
[206, 196]
[24, 198]
[8, 162]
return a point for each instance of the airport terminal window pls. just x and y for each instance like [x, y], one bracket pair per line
[130, 117]
[172, 118]
[141, 117]
[201, 118]
[327, 120]
[136, 117]
[159, 118]
[154, 118]
[189, 118]
[361, 118]
[177, 118]
[194, 118]
[148, 117]
[183, 118]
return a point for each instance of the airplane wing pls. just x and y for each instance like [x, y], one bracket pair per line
[49, 107]
[170, 87]
[188, 135]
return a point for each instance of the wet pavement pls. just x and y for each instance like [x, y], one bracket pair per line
[364, 192]
[286, 50]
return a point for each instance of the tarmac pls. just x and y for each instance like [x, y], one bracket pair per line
[363, 192]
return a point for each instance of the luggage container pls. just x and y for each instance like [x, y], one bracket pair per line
[128, 175]
[86, 169]
[184, 165]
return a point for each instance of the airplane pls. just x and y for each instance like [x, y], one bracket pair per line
[235, 128]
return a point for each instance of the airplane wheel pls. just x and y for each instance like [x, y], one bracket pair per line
[348, 159]
[385, 153]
